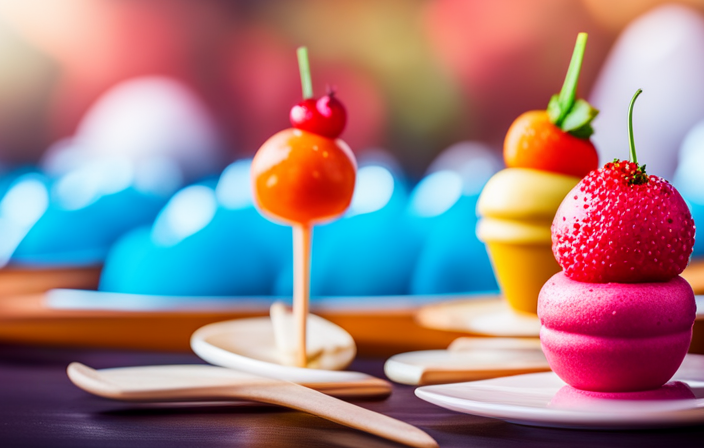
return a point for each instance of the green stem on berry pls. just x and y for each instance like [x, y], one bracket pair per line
[631, 142]
[304, 68]
[569, 88]
[639, 177]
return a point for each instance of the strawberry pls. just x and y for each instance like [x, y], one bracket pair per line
[621, 225]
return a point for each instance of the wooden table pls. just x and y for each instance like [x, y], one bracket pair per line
[39, 407]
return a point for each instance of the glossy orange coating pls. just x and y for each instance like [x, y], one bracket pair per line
[533, 141]
[303, 178]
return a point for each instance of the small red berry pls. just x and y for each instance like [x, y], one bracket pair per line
[325, 116]
[303, 113]
[621, 225]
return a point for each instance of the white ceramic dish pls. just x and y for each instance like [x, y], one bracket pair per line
[542, 399]
[248, 345]
[468, 359]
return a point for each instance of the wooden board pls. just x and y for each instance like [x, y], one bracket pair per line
[481, 316]
[694, 274]
[465, 316]
[27, 319]
[18, 280]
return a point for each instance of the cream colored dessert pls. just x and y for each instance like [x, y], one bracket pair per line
[329, 347]
[517, 207]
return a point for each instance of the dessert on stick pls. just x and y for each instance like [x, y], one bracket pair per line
[546, 153]
[304, 175]
[619, 318]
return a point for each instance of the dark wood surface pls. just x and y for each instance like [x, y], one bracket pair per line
[39, 407]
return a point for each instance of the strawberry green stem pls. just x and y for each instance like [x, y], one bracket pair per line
[304, 68]
[569, 88]
[631, 142]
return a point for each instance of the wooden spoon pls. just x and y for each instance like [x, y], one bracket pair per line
[208, 383]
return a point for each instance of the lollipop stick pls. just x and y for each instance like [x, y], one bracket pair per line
[301, 287]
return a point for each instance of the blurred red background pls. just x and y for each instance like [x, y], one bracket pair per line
[415, 75]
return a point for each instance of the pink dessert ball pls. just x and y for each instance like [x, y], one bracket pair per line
[615, 337]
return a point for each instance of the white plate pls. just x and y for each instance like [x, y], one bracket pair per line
[468, 359]
[542, 399]
[248, 345]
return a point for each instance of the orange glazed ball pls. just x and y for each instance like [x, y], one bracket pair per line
[303, 178]
[533, 141]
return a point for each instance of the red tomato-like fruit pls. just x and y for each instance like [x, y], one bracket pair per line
[302, 178]
[533, 141]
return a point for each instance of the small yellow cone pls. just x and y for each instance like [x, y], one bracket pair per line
[517, 207]
[522, 270]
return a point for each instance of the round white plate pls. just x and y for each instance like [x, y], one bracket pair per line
[248, 345]
[543, 399]
[468, 359]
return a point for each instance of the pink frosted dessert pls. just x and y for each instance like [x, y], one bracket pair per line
[619, 318]
[615, 337]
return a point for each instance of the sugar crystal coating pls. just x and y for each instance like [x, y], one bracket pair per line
[612, 229]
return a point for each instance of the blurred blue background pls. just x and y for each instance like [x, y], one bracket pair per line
[127, 127]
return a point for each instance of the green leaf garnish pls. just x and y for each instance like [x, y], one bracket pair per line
[567, 113]
[582, 113]
[554, 110]
[585, 131]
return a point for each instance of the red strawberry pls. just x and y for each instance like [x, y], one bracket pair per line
[613, 227]
[621, 225]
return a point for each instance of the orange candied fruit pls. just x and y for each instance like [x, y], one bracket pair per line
[533, 141]
[303, 178]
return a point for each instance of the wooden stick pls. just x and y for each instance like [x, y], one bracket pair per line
[208, 383]
[301, 287]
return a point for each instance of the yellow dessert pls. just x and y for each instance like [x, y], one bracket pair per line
[516, 210]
